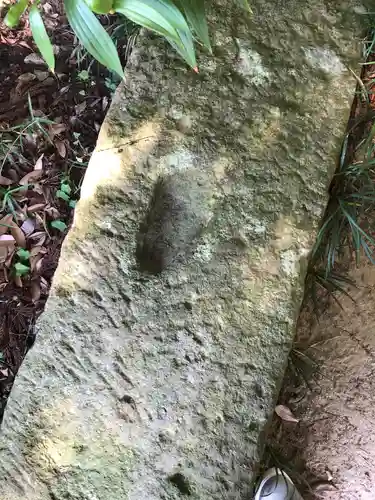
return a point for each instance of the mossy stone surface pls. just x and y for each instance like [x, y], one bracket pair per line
[158, 382]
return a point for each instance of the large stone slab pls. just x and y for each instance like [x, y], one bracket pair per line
[164, 341]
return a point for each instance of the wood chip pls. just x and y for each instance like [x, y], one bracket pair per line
[285, 414]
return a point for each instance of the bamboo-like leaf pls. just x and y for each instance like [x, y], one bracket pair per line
[92, 35]
[195, 14]
[164, 18]
[41, 37]
[14, 13]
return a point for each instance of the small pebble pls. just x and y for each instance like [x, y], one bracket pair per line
[184, 124]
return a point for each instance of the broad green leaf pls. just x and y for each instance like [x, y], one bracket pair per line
[14, 13]
[92, 35]
[66, 188]
[164, 18]
[188, 55]
[21, 269]
[62, 195]
[100, 6]
[23, 254]
[41, 37]
[72, 203]
[195, 14]
[59, 225]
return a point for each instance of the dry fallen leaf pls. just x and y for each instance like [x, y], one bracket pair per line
[56, 129]
[18, 281]
[11, 252]
[80, 108]
[36, 207]
[35, 290]
[39, 163]
[13, 175]
[285, 414]
[61, 148]
[18, 235]
[32, 176]
[35, 250]
[4, 181]
[7, 240]
[28, 227]
[38, 238]
[52, 212]
[3, 254]
[5, 224]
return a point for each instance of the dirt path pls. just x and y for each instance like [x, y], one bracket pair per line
[333, 446]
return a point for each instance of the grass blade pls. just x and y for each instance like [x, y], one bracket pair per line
[41, 37]
[14, 13]
[92, 35]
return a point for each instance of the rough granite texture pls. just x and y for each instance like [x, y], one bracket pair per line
[161, 351]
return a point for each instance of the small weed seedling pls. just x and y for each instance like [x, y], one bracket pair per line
[64, 193]
[22, 266]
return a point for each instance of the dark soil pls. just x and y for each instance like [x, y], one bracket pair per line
[76, 102]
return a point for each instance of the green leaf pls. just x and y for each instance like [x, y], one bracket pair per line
[84, 75]
[195, 14]
[164, 18]
[41, 37]
[59, 225]
[62, 195]
[92, 35]
[21, 269]
[245, 5]
[72, 203]
[100, 6]
[14, 13]
[23, 254]
[65, 187]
